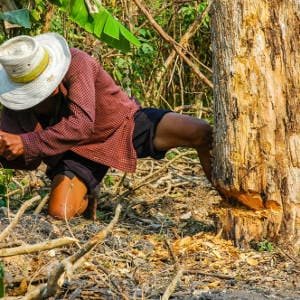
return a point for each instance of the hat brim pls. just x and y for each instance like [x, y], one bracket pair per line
[19, 96]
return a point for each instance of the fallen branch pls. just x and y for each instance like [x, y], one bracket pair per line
[177, 47]
[41, 205]
[70, 264]
[16, 219]
[148, 179]
[26, 249]
[172, 286]
[109, 277]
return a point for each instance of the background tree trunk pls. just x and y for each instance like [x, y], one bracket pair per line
[256, 49]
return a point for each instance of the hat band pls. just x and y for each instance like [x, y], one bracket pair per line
[34, 73]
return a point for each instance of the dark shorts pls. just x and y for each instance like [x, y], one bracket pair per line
[91, 173]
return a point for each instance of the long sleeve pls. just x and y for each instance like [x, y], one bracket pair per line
[78, 125]
[9, 123]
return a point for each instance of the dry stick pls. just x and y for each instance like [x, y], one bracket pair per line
[65, 213]
[171, 252]
[115, 285]
[26, 249]
[171, 287]
[218, 275]
[41, 205]
[11, 244]
[15, 221]
[184, 40]
[70, 263]
[165, 166]
[175, 45]
[147, 179]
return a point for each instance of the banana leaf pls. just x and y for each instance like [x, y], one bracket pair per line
[101, 24]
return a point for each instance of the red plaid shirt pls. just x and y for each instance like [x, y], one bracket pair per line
[99, 125]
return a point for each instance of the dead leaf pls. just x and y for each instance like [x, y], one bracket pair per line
[251, 261]
[214, 284]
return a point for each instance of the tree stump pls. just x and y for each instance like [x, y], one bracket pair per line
[256, 48]
[244, 227]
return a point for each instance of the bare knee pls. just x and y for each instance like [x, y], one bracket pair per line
[176, 130]
[201, 136]
[67, 198]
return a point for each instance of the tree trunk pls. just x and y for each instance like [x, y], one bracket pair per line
[256, 48]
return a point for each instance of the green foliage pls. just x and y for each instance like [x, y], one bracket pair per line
[19, 17]
[2, 288]
[5, 181]
[39, 10]
[136, 70]
[109, 180]
[171, 154]
[189, 13]
[128, 70]
[265, 246]
[102, 24]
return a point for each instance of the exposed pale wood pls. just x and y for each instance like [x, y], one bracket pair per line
[41, 205]
[172, 286]
[26, 249]
[256, 49]
[244, 227]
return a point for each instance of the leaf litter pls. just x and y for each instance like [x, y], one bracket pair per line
[167, 223]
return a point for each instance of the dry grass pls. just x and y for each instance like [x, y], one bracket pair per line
[166, 224]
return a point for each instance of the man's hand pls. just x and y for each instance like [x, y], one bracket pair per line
[11, 145]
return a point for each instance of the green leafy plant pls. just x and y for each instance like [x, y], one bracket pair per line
[101, 23]
[2, 288]
[265, 246]
[109, 180]
[189, 13]
[5, 180]
[39, 8]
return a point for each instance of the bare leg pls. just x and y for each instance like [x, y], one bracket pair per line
[67, 198]
[175, 130]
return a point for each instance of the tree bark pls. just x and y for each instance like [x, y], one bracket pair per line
[256, 48]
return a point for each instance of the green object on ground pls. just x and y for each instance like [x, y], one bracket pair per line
[2, 288]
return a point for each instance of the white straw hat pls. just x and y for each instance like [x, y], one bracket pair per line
[31, 68]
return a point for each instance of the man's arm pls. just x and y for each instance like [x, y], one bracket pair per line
[11, 145]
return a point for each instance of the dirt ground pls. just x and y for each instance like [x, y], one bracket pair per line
[168, 223]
